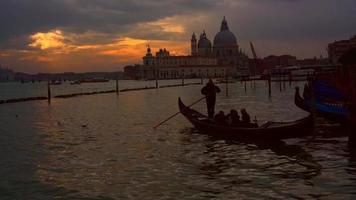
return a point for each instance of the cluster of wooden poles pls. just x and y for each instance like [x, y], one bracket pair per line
[116, 90]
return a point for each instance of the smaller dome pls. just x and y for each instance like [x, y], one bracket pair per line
[204, 43]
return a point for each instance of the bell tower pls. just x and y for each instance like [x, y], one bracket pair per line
[148, 60]
[194, 51]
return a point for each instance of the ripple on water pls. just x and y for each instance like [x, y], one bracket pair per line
[103, 146]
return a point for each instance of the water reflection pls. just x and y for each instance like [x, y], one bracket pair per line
[103, 146]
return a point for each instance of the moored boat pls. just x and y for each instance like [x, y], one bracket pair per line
[267, 131]
[333, 111]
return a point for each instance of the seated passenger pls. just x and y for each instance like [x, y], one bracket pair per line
[233, 118]
[220, 118]
[245, 117]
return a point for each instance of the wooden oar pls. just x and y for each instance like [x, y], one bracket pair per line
[177, 113]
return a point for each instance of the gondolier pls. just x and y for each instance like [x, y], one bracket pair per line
[210, 91]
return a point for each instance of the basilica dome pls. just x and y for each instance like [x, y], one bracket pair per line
[204, 42]
[225, 37]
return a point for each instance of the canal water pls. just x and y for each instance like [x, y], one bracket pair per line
[104, 147]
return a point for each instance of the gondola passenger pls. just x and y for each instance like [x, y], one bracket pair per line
[233, 118]
[245, 116]
[220, 118]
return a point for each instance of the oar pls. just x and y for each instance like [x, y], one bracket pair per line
[177, 113]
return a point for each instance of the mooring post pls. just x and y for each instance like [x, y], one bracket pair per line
[156, 77]
[227, 85]
[352, 115]
[269, 85]
[245, 86]
[48, 92]
[352, 128]
[117, 86]
[182, 77]
[201, 79]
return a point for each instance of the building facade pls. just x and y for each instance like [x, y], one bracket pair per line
[221, 58]
[338, 48]
[6, 75]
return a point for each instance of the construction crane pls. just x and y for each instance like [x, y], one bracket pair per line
[253, 51]
[254, 58]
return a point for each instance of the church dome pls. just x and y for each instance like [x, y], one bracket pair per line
[225, 37]
[204, 42]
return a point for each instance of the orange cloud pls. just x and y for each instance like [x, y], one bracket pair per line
[169, 25]
[50, 40]
[134, 49]
[4, 54]
[63, 51]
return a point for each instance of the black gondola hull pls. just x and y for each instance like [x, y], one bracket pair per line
[275, 131]
[306, 106]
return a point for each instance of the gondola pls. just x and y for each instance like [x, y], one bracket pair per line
[268, 131]
[335, 112]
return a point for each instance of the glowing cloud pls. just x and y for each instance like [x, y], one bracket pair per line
[169, 25]
[50, 40]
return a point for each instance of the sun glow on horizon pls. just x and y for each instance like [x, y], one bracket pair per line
[63, 51]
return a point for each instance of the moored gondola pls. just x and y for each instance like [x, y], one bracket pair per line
[335, 112]
[267, 131]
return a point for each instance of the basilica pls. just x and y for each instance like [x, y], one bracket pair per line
[208, 60]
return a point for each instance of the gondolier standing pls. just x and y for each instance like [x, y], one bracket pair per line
[210, 91]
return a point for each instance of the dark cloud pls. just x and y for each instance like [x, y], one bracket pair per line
[299, 27]
[23, 17]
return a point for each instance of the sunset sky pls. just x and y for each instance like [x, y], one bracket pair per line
[105, 35]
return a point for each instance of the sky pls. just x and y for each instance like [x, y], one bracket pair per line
[105, 35]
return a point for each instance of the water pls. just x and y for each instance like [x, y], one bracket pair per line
[104, 147]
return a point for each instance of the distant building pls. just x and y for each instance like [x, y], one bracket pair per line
[6, 75]
[281, 61]
[138, 72]
[313, 61]
[338, 48]
[222, 58]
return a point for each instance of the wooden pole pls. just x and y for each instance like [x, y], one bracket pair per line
[245, 86]
[156, 76]
[227, 85]
[269, 86]
[117, 86]
[48, 92]
[290, 79]
[201, 79]
[183, 78]
[352, 126]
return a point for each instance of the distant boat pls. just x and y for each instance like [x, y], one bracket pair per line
[94, 80]
[75, 82]
[266, 132]
[91, 80]
[223, 80]
[55, 83]
[332, 110]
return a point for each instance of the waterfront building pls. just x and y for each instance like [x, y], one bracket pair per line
[281, 61]
[222, 58]
[6, 75]
[338, 48]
